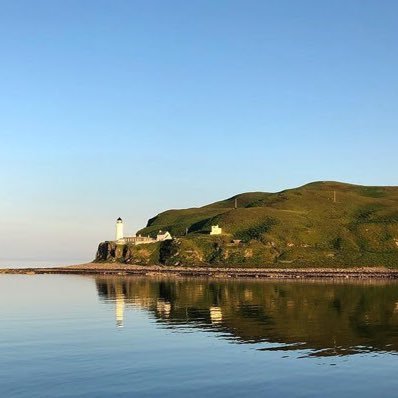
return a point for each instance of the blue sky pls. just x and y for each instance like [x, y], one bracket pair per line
[128, 108]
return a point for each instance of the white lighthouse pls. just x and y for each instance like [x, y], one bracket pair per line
[119, 229]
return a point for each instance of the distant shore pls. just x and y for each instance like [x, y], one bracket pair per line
[212, 272]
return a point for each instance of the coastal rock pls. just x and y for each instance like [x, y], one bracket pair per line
[106, 252]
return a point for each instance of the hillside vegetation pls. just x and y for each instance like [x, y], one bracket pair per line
[318, 223]
[321, 223]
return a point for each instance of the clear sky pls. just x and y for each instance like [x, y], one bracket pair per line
[127, 108]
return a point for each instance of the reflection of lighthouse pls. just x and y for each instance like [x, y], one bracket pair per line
[215, 314]
[119, 301]
[119, 229]
[163, 307]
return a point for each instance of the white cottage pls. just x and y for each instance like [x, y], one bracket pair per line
[215, 230]
[161, 236]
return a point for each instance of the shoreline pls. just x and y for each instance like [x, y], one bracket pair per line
[211, 272]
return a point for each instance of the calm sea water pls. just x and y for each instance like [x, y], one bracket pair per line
[83, 336]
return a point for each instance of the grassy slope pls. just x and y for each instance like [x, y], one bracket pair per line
[300, 225]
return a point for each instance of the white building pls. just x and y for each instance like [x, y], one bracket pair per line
[161, 236]
[137, 240]
[215, 230]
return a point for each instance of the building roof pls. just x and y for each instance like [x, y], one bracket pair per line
[119, 219]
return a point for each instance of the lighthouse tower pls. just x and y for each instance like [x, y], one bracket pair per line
[119, 229]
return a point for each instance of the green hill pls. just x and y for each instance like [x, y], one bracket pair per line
[321, 223]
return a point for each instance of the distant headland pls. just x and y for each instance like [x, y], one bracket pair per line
[321, 224]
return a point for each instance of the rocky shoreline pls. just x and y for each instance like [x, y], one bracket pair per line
[212, 272]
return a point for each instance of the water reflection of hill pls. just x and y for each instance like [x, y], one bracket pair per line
[327, 318]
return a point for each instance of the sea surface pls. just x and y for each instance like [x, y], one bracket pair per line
[39, 263]
[87, 336]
